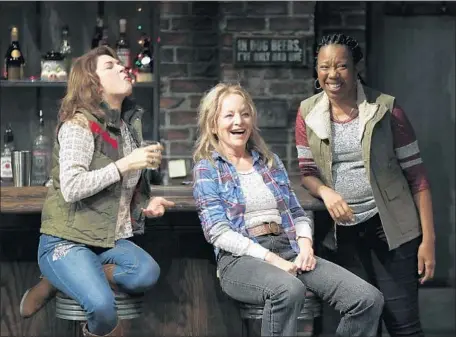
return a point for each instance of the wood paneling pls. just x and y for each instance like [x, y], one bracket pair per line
[187, 300]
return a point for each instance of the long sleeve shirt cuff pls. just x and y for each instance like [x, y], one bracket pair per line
[257, 250]
[303, 230]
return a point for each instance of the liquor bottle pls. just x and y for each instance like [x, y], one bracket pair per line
[14, 59]
[6, 173]
[4, 74]
[144, 61]
[104, 37]
[41, 153]
[65, 48]
[98, 34]
[122, 46]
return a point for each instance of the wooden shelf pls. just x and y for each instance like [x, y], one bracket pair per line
[24, 200]
[144, 85]
[55, 84]
[28, 83]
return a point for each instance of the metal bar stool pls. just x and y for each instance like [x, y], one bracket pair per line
[306, 320]
[128, 307]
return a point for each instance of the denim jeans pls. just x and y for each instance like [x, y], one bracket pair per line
[251, 280]
[76, 269]
[363, 250]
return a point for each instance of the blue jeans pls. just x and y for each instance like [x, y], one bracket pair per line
[76, 269]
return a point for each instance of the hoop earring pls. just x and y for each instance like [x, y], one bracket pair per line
[317, 84]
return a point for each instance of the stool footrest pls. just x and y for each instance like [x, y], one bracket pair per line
[128, 307]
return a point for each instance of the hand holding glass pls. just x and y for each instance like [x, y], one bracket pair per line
[158, 148]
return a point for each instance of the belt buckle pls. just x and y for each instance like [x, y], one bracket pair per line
[274, 228]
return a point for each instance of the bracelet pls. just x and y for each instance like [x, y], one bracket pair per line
[303, 237]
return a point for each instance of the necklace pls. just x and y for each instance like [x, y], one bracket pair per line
[351, 115]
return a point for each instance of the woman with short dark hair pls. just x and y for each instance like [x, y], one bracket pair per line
[358, 152]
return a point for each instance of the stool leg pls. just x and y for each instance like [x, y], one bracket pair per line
[77, 328]
[318, 326]
[245, 327]
[380, 328]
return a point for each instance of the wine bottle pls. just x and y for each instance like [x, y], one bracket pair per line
[65, 48]
[122, 46]
[98, 34]
[14, 59]
[144, 61]
[104, 37]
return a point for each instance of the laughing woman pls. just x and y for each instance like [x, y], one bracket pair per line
[358, 153]
[261, 235]
[95, 202]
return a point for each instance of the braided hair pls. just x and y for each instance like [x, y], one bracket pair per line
[344, 40]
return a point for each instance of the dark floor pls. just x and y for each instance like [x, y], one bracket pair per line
[438, 312]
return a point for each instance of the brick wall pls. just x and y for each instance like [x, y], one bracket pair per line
[349, 18]
[283, 87]
[189, 66]
[197, 52]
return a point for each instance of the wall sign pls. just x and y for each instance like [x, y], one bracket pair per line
[272, 113]
[269, 51]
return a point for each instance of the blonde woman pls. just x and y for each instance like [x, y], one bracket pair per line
[261, 235]
[96, 201]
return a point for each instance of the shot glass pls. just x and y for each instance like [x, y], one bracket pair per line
[147, 142]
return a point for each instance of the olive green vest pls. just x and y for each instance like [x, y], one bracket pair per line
[391, 191]
[92, 220]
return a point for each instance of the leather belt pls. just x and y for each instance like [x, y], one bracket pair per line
[265, 228]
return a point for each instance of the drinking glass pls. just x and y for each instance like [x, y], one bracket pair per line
[147, 142]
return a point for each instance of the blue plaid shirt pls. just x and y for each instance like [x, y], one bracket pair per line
[219, 198]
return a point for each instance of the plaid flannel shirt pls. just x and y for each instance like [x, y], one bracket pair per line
[219, 198]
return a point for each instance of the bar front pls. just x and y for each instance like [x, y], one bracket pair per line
[186, 301]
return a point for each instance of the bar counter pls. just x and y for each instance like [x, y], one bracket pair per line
[22, 200]
[186, 301]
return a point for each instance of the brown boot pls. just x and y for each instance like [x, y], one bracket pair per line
[36, 297]
[109, 270]
[87, 333]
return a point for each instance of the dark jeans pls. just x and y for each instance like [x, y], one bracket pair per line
[251, 280]
[76, 270]
[363, 250]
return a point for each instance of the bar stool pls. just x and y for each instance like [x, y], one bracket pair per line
[128, 307]
[306, 320]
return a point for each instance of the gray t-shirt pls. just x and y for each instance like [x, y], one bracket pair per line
[348, 171]
[260, 203]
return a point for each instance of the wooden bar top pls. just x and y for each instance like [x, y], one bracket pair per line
[30, 199]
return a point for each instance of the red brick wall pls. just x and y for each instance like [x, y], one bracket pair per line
[349, 18]
[286, 86]
[189, 66]
[197, 52]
